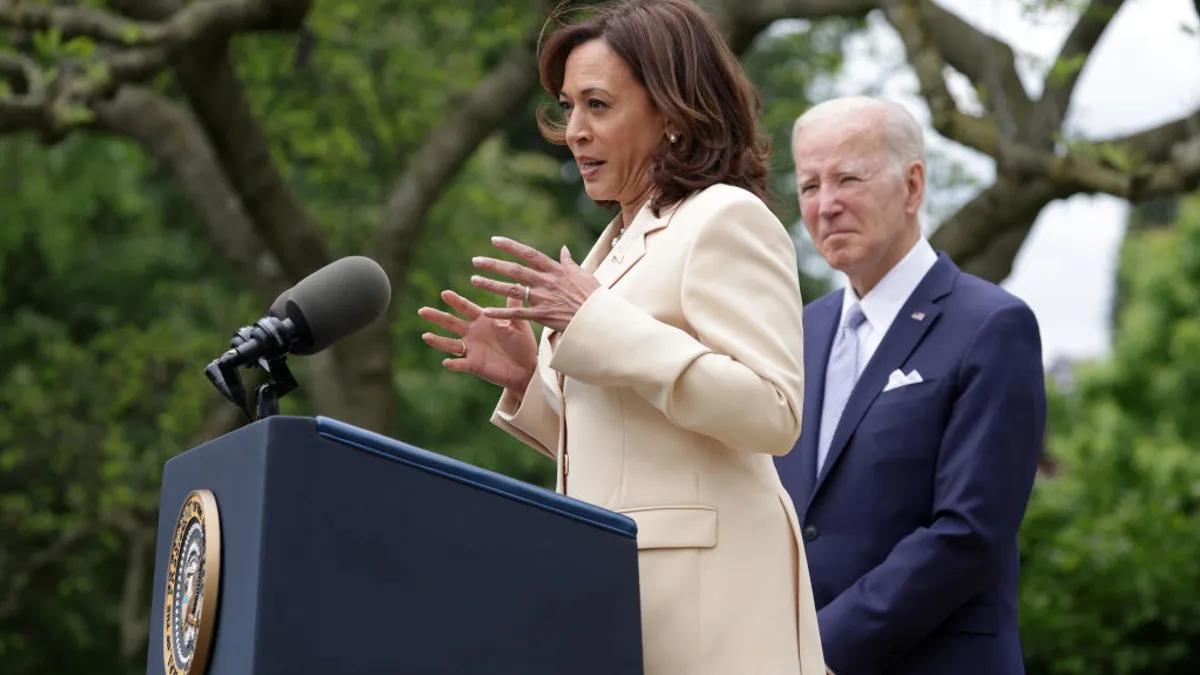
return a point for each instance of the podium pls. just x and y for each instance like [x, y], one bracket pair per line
[334, 550]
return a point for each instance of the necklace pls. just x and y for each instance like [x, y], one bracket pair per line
[617, 237]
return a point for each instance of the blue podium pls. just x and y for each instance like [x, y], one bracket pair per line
[306, 545]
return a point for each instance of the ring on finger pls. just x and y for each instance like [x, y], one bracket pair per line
[462, 352]
[526, 295]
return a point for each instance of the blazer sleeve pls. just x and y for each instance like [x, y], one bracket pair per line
[531, 420]
[985, 471]
[737, 375]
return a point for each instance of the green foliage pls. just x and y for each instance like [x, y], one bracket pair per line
[106, 316]
[1111, 543]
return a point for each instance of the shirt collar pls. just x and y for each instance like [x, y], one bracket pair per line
[883, 302]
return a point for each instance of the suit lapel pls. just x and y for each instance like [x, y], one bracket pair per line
[910, 326]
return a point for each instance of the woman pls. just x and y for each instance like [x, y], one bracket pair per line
[669, 369]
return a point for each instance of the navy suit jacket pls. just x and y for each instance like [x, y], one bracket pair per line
[911, 528]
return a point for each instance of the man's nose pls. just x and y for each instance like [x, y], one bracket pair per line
[829, 203]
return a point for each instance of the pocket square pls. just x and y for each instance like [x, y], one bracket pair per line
[898, 379]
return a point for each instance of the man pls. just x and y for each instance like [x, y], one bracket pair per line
[924, 410]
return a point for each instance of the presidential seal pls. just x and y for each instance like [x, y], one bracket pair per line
[193, 579]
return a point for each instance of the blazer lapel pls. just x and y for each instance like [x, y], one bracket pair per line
[608, 264]
[601, 248]
[630, 248]
[913, 321]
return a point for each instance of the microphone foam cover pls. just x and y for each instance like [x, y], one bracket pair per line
[337, 300]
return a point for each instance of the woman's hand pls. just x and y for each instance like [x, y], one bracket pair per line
[552, 290]
[501, 351]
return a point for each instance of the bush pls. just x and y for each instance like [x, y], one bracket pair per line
[1111, 541]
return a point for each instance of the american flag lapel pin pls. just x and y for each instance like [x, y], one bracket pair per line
[919, 316]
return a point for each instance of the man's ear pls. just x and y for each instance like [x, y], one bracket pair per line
[914, 184]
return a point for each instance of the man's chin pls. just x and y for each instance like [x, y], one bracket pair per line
[843, 258]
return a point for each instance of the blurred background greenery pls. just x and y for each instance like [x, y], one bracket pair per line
[146, 213]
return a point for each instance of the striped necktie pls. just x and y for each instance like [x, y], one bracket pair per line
[839, 379]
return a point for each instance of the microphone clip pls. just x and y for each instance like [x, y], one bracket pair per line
[263, 345]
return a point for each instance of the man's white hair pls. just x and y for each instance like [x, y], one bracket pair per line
[903, 135]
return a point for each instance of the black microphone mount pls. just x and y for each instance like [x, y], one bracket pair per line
[265, 345]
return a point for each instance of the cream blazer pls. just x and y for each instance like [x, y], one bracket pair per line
[664, 400]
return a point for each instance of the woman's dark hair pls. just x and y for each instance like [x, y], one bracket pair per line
[676, 52]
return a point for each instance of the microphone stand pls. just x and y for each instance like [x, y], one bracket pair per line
[270, 393]
[223, 373]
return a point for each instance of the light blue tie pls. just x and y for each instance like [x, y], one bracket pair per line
[839, 379]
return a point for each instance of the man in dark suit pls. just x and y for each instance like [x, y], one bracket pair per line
[924, 410]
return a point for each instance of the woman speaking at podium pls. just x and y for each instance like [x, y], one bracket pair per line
[669, 369]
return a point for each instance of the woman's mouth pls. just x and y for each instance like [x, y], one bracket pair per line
[589, 167]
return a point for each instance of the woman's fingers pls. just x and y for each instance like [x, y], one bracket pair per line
[462, 305]
[530, 255]
[452, 346]
[499, 287]
[512, 270]
[445, 320]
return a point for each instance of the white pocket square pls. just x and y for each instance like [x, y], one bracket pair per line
[898, 379]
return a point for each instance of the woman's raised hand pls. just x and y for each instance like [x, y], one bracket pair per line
[501, 351]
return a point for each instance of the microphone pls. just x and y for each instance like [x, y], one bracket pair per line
[337, 300]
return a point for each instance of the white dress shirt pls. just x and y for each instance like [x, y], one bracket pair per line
[883, 302]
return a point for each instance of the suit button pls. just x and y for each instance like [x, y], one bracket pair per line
[810, 532]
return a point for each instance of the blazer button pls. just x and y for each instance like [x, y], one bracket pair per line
[811, 532]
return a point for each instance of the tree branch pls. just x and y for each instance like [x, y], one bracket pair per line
[168, 133]
[194, 22]
[984, 236]
[467, 125]
[1156, 144]
[960, 45]
[284, 223]
[215, 93]
[138, 51]
[741, 21]
[1099, 167]
[980, 133]
[1059, 84]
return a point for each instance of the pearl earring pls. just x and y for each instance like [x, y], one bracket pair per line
[672, 137]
